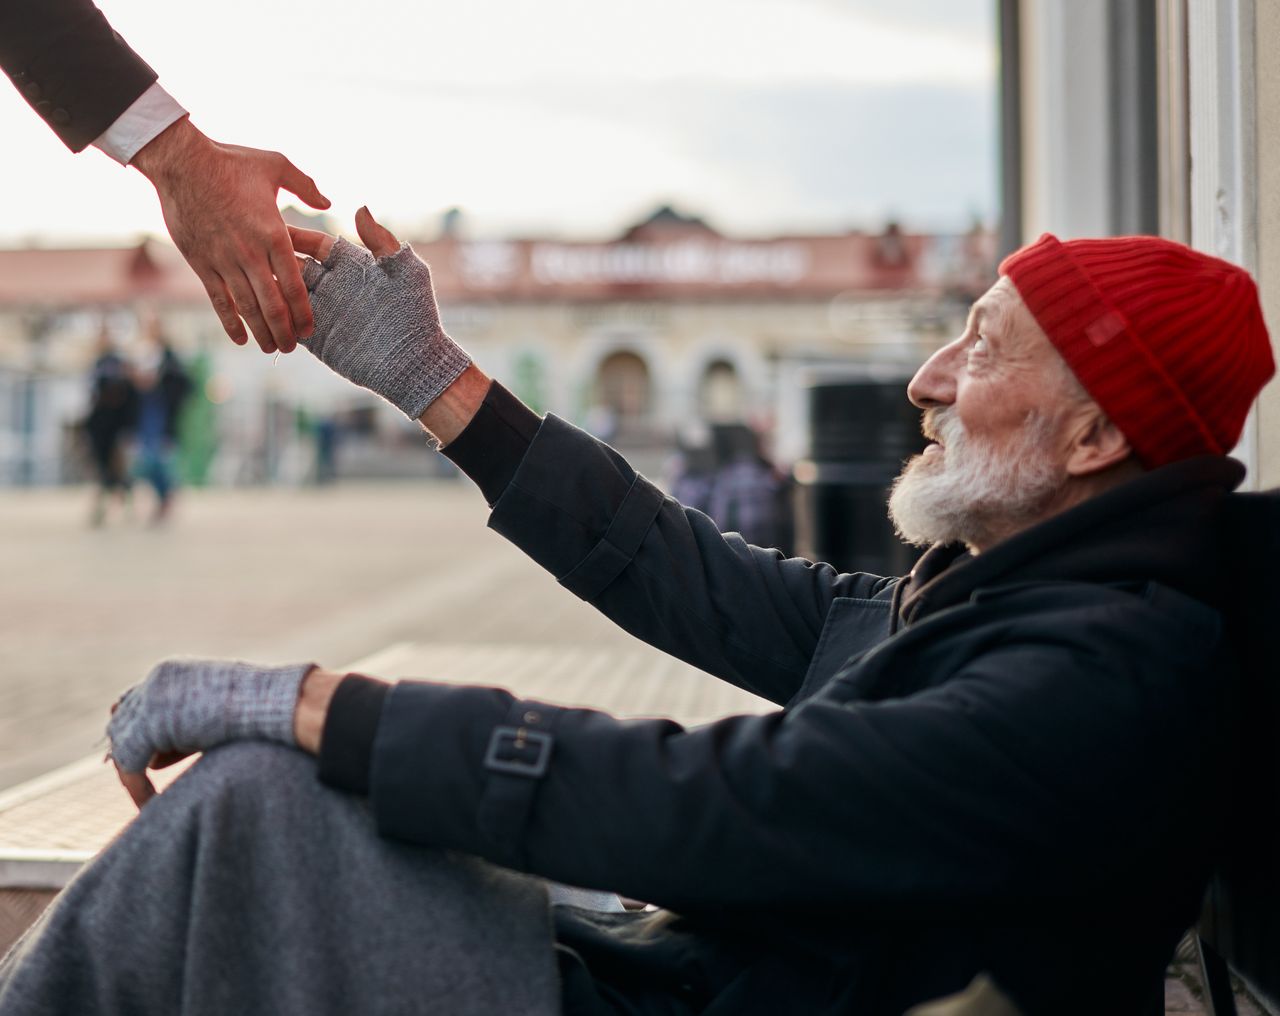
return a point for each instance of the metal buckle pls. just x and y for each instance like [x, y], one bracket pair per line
[519, 751]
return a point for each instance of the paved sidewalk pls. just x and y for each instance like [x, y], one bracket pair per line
[267, 575]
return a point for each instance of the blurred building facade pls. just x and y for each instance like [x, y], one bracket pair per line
[54, 307]
[669, 323]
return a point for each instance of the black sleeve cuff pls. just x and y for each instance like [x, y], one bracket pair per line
[346, 745]
[491, 447]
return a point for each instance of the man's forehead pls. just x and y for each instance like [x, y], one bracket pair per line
[996, 303]
[1000, 311]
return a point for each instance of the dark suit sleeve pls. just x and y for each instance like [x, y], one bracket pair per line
[70, 66]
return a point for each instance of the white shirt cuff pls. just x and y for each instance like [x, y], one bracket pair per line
[153, 111]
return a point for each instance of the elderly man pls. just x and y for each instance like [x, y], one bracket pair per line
[994, 766]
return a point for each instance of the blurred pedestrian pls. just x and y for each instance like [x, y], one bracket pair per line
[693, 468]
[113, 413]
[326, 437]
[747, 492]
[164, 388]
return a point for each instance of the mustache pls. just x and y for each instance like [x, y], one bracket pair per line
[940, 424]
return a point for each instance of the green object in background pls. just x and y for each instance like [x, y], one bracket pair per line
[197, 426]
[528, 381]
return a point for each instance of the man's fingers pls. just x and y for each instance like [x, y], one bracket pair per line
[272, 305]
[380, 240]
[139, 786]
[312, 242]
[247, 303]
[224, 306]
[289, 278]
[297, 182]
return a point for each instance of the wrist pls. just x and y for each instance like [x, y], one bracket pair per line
[448, 416]
[169, 150]
[314, 698]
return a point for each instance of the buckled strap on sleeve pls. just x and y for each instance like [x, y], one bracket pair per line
[517, 757]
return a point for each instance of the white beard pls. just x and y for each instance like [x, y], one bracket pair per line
[969, 492]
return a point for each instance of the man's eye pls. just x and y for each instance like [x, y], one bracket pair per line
[979, 346]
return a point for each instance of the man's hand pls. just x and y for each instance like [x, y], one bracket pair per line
[185, 706]
[377, 323]
[219, 202]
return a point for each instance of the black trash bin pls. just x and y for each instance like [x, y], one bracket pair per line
[861, 431]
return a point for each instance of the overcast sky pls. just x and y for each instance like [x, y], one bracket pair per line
[558, 116]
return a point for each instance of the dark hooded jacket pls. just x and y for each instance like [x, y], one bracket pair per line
[995, 764]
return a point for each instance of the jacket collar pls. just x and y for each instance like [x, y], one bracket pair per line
[1157, 527]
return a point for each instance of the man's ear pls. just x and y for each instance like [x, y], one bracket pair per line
[1096, 444]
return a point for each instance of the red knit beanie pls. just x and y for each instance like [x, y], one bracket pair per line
[1168, 341]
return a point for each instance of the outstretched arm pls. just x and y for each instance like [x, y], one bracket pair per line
[219, 201]
[662, 572]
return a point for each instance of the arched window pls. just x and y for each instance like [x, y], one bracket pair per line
[720, 393]
[623, 386]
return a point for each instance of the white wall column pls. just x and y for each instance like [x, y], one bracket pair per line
[1221, 79]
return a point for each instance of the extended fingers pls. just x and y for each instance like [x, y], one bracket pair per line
[242, 292]
[224, 306]
[294, 291]
[312, 242]
[271, 306]
[380, 240]
[293, 179]
[319, 245]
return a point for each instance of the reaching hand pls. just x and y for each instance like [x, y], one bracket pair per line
[377, 323]
[186, 706]
[219, 202]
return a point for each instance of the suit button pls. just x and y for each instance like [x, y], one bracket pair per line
[43, 106]
[31, 90]
[60, 117]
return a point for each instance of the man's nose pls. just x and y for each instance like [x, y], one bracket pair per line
[935, 381]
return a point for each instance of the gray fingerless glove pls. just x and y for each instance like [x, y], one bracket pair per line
[191, 705]
[378, 326]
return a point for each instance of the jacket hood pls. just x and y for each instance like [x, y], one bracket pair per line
[1160, 527]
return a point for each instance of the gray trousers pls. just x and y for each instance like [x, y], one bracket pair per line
[248, 887]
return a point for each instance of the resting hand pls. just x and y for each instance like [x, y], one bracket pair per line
[219, 202]
[188, 705]
[377, 323]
